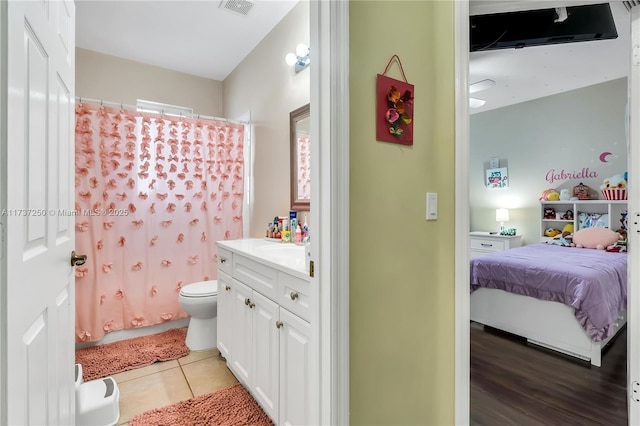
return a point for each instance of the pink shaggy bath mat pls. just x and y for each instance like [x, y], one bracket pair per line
[232, 406]
[111, 358]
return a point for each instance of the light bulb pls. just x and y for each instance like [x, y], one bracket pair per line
[302, 50]
[291, 59]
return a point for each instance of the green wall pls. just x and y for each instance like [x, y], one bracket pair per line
[402, 266]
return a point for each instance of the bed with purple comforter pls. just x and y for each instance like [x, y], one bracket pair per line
[594, 282]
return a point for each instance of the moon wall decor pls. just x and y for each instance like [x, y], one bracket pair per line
[604, 155]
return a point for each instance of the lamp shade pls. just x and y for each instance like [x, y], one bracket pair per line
[502, 215]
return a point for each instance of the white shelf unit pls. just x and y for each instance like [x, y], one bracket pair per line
[613, 208]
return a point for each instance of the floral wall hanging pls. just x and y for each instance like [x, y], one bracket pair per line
[394, 111]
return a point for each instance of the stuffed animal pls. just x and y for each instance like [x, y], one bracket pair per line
[615, 182]
[552, 232]
[549, 213]
[621, 245]
[564, 195]
[550, 195]
[563, 240]
[595, 238]
[568, 215]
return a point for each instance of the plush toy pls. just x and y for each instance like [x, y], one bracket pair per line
[595, 238]
[615, 182]
[582, 192]
[549, 213]
[563, 240]
[568, 215]
[550, 195]
[564, 195]
[552, 232]
[621, 245]
[567, 229]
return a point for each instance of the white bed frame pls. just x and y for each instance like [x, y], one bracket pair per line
[544, 323]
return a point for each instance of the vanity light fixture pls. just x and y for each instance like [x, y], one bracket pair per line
[300, 60]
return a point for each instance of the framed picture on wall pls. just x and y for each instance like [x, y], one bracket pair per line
[497, 178]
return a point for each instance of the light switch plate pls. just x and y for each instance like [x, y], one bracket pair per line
[432, 205]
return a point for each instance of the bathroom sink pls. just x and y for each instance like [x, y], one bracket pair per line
[290, 255]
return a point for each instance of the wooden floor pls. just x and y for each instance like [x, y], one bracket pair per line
[513, 383]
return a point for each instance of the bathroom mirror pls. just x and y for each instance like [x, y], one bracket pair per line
[299, 121]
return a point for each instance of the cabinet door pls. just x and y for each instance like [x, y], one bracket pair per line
[266, 349]
[225, 320]
[295, 370]
[242, 332]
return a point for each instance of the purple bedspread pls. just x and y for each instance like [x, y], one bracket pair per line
[594, 282]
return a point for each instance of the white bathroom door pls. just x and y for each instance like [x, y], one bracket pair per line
[38, 182]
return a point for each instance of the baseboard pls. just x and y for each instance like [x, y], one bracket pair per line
[116, 336]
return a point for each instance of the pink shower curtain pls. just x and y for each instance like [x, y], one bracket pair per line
[153, 195]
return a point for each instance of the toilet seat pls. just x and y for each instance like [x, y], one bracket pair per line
[200, 289]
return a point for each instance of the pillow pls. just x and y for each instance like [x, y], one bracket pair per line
[595, 238]
[595, 220]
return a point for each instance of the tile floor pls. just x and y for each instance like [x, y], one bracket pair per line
[165, 383]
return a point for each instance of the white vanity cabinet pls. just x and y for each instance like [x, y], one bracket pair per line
[225, 303]
[265, 333]
[295, 347]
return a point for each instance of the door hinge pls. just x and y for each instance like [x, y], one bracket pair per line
[635, 54]
[635, 391]
[311, 268]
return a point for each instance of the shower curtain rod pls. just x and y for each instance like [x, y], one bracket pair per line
[135, 108]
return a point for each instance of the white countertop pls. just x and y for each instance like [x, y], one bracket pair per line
[287, 257]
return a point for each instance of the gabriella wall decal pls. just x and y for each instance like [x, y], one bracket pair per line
[153, 194]
[554, 175]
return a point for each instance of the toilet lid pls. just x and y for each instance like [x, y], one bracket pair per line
[200, 289]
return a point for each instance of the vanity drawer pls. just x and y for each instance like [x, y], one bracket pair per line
[225, 260]
[487, 244]
[294, 295]
[255, 275]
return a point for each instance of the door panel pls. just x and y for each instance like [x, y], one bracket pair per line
[38, 213]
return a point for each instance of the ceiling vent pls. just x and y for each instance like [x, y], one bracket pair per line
[241, 7]
[541, 27]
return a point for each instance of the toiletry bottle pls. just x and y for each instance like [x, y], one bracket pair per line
[305, 227]
[298, 234]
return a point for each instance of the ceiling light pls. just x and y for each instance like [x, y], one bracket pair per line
[476, 103]
[481, 85]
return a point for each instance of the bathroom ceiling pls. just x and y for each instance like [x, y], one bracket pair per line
[201, 38]
[196, 37]
[538, 71]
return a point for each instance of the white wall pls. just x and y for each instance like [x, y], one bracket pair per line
[568, 131]
[265, 85]
[113, 79]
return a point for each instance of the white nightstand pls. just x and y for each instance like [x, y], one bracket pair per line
[485, 242]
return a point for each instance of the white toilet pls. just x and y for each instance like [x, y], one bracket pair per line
[200, 301]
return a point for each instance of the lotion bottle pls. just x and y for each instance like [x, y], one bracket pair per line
[298, 234]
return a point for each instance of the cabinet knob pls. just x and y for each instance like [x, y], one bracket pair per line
[279, 324]
[227, 287]
[247, 301]
[223, 260]
[293, 295]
